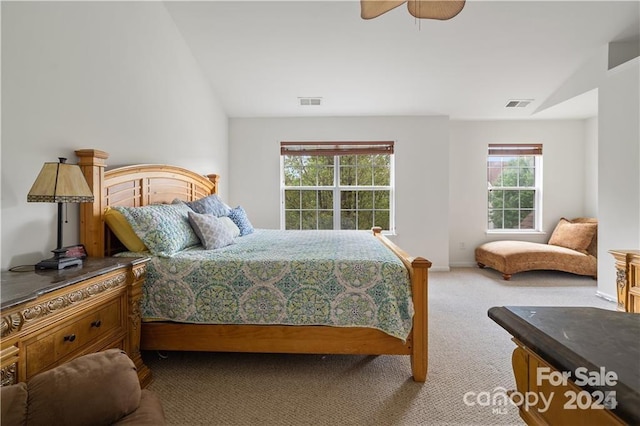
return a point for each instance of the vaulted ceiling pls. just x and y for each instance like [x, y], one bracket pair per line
[262, 56]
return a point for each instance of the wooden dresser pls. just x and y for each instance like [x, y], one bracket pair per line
[628, 279]
[574, 365]
[50, 317]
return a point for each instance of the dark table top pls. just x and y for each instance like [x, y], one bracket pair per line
[569, 338]
[20, 287]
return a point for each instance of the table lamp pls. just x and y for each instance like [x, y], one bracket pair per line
[60, 183]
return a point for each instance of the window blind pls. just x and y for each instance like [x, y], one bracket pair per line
[515, 149]
[336, 148]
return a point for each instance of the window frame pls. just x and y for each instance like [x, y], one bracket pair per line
[517, 150]
[338, 150]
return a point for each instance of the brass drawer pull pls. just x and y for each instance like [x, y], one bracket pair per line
[96, 323]
[70, 338]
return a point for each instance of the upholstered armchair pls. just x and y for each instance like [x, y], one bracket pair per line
[95, 389]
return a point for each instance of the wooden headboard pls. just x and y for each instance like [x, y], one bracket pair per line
[131, 186]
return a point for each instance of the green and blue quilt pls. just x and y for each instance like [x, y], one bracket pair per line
[335, 278]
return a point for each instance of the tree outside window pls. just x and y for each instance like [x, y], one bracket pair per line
[337, 185]
[514, 187]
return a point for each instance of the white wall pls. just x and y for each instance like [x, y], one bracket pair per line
[619, 169]
[591, 168]
[115, 76]
[421, 159]
[564, 159]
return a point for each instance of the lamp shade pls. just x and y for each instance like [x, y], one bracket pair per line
[60, 183]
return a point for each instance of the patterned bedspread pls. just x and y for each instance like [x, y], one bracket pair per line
[337, 278]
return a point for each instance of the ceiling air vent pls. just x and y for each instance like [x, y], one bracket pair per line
[518, 103]
[310, 101]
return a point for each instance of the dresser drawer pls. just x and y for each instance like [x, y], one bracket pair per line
[72, 337]
[87, 329]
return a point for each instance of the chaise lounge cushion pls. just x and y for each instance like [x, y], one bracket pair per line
[510, 257]
[575, 236]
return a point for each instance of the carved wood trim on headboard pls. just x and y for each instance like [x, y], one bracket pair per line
[131, 186]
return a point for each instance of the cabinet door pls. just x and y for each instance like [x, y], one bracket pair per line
[557, 403]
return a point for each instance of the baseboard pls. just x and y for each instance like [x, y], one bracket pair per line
[463, 264]
[607, 297]
[439, 269]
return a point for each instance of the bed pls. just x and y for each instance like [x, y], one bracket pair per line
[148, 184]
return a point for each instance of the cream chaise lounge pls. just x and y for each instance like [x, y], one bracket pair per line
[571, 248]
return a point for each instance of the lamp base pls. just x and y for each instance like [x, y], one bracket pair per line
[59, 263]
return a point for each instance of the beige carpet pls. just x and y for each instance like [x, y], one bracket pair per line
[468, 352]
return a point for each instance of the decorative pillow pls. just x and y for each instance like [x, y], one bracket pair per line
[235, 231]
[575, 236]
[121, 228]
[211, 204]
[239, 217]
[211, 230]
[163, 228]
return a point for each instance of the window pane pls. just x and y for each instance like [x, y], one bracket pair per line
[348, 200]
[291, 199]
[309, 175]
[365, 220]
[496, 199]
[309, 219]
[348, 220]
[382, 160]
[347, 176]
[381, 219]
[292, 219]
[511, 199]
[365, 175]
[382, 200]
[527, 219]
[292, 171]
[527, 199]
[509, 176]
[527, 161]
[325, 176]
[511, 219]
[494, 175]
[325, 219]
[495, 219]
[527, 177]
[365, 200]
[309, 200]
[325, 200]
[381, 176]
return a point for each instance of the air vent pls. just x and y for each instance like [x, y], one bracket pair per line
[518, 103]
[310, 101]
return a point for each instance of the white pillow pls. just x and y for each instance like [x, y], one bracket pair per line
[232, 226]
[211, 230]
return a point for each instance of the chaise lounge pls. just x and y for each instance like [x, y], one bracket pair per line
[571, 248]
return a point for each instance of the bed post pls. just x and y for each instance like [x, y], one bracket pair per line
[215, 179]
[419, 353]
[419, 273]
[92, 163]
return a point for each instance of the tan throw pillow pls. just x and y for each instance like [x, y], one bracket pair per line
[575, 236]
[123, 230]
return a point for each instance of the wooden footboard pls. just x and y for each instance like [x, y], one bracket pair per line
[419, 273]
[141, 185]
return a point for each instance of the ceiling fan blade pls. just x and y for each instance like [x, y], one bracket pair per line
[435, 9]
[374, 8]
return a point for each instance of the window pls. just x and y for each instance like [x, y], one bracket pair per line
[514, 176]
[337, 185]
